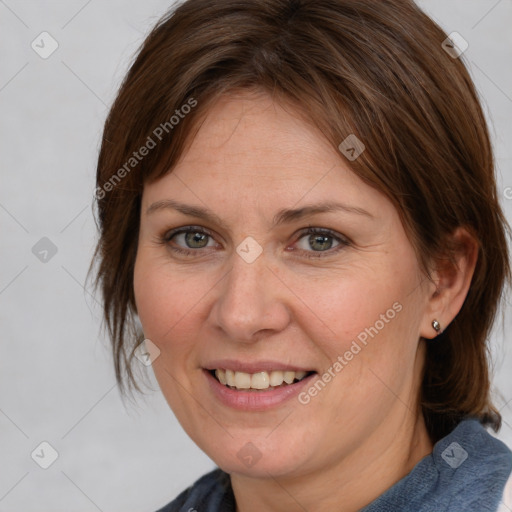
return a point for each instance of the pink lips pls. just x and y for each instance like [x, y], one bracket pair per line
[254, 400]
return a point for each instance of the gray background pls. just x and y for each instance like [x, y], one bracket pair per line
[56, 378]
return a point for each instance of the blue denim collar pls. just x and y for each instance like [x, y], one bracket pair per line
[466, 471]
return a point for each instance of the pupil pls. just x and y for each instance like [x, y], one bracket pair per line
[323, 240]
[191, 238]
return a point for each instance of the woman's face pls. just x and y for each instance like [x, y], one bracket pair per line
[250, 291]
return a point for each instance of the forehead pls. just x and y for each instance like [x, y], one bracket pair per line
[251, 149]
[250, 121]
[252, 136]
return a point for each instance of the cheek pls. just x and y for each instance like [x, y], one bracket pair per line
[159, 299]
[164, 307]
[170, 304]
[371, 319]
[376, 338]
[345, 308]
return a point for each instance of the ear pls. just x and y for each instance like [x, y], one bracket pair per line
[452, 280]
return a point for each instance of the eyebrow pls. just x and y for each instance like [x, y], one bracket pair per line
[282, 216]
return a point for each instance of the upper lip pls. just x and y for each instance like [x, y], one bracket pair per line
[254, 366]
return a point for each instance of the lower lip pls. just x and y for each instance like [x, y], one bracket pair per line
[254, 400]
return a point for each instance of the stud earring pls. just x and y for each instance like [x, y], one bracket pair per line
[437, 326]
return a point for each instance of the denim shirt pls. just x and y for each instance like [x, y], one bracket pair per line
[466, 472]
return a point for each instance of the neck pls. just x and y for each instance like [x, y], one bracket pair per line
[350, 484]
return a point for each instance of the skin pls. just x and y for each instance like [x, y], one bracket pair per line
[363, 431]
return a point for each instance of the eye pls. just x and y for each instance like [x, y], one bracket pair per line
[189, 239]
[320, 240]
[312, 242]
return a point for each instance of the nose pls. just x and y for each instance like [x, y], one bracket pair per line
[251, 301]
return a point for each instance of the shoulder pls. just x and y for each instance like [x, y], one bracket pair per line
[468, 470]
[475, 465]
[210, 493]
[506, 501]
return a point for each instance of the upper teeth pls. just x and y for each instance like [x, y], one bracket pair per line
[260, 380]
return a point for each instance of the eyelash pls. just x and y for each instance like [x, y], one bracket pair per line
[166, 238]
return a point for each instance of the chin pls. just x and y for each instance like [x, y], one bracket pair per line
[259, 456]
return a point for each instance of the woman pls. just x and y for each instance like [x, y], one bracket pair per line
[297, 201]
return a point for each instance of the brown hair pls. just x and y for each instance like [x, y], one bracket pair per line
[374, 69]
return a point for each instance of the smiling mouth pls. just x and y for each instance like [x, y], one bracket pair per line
[260, 380]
